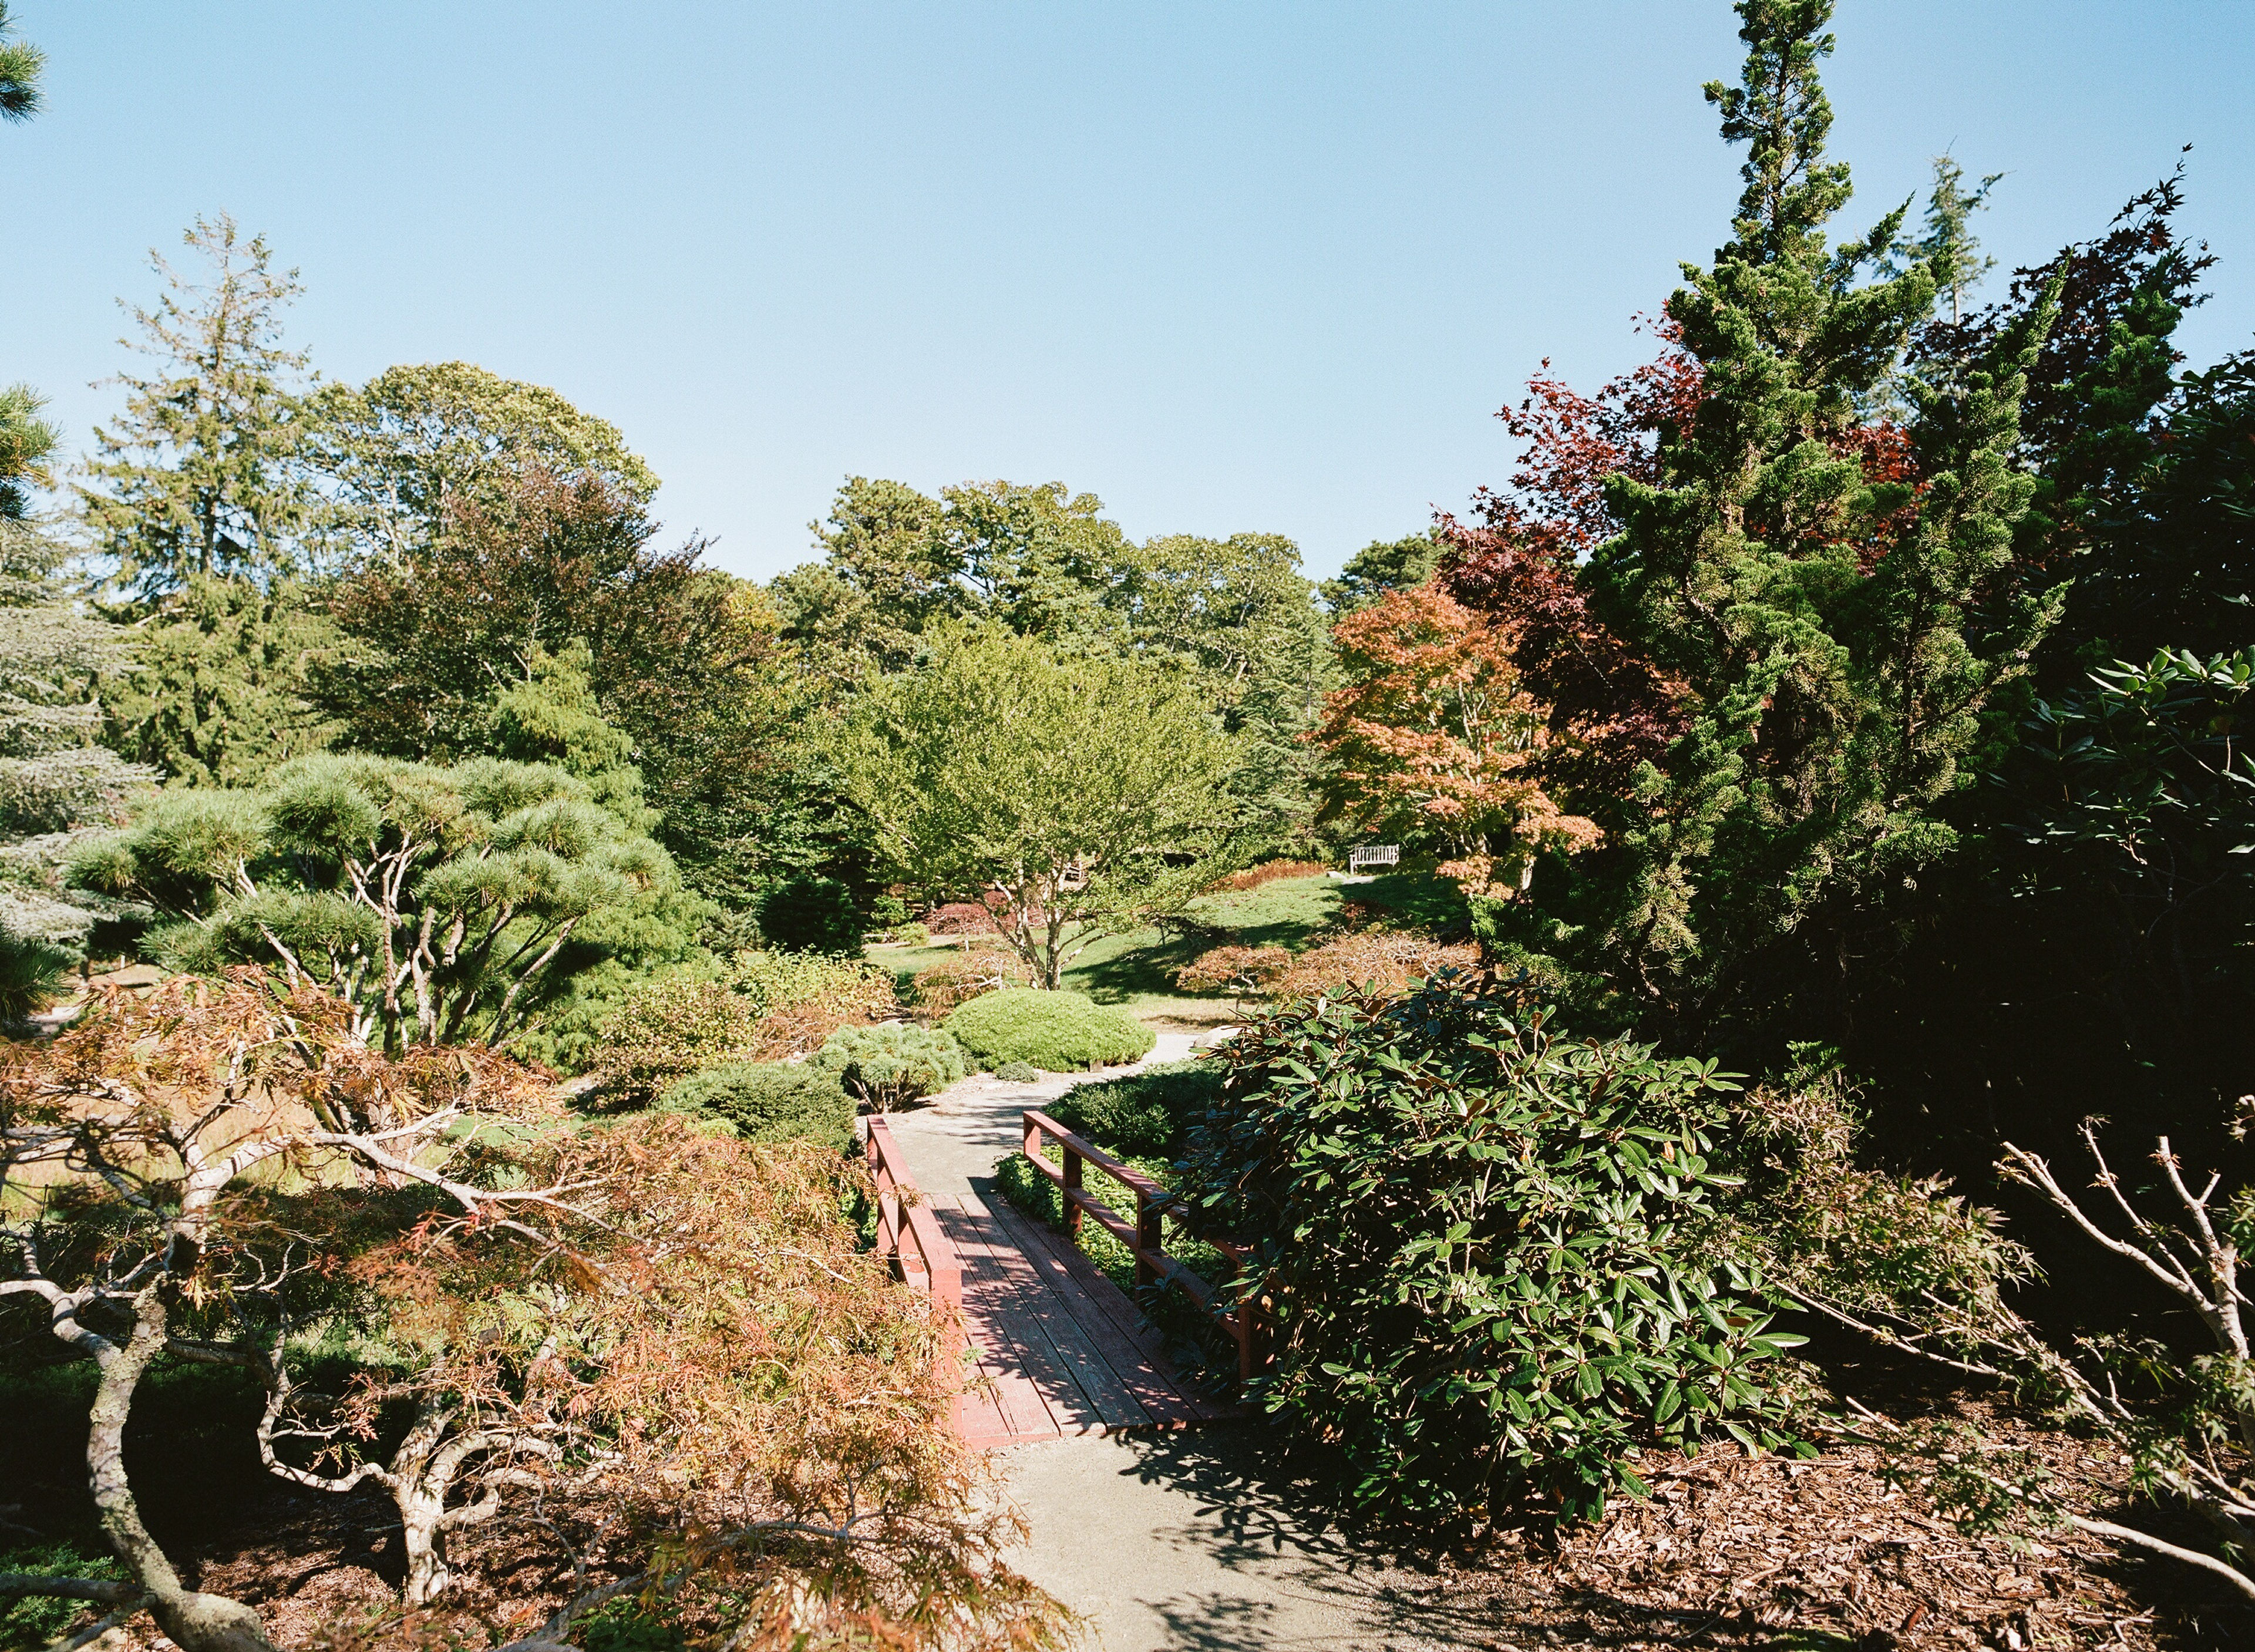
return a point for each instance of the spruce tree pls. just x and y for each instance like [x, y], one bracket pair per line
[197, 478]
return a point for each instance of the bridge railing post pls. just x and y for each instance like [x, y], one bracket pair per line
[1242, 1313]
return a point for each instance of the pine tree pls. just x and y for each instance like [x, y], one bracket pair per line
[26, 440]
[196, 477]
[20, 66]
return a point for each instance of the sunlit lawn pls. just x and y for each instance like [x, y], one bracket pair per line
[1136, 969]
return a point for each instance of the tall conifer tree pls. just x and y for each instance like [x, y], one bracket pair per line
[1810, 602]
[196, 478]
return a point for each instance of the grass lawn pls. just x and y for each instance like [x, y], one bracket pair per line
[1136, 969]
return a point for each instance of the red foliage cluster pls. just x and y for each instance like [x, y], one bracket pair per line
[961, 918]
[1519, 560]
[1435, 728]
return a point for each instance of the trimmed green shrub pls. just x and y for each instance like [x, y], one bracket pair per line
[1018, 1072]
[770, 1102]
[1145, 1114]
[889, 1067]
[1496, 1252]
[1056, 1031]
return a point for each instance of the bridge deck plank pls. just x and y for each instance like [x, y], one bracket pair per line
[1059, 1349]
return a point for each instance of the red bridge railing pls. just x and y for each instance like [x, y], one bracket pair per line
[1245, 1323]
[910, 1237]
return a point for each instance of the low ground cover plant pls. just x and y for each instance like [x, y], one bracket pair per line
[1268, 872]
[887, 1067]
[1056, 1030]
[1493, 1251]
[768, 1101]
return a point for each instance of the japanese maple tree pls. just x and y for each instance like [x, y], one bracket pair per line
[1438, 733]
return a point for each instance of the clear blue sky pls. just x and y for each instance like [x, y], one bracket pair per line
[1230, 266]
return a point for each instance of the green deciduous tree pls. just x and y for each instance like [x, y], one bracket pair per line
[1085, 792]
[394, 456]
[199, 474]
[1240, 612]
[1380, 567]
[678, 656]
[1038, 558]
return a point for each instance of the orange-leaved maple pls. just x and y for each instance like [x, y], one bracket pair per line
[1437, 734]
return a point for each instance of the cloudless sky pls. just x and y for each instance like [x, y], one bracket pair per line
[1231, 266]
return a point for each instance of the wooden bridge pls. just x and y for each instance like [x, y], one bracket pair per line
[1054, 1347]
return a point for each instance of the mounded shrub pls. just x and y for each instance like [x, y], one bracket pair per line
[889, 1067]
[1268, 872]
[812, 915]
[1496, 1253]
[667, 1030]
[770, 1102]
[960, 917]
[1147, 1115]
[1018, 1072]
[1056, 1031]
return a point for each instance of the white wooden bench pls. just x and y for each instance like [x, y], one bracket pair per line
[1373, 855]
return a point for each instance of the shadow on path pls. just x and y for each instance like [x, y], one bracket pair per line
[1202, 1540]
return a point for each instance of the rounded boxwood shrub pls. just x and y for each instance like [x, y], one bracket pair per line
[889, 1067]
[1056, 1031]
[1018, 1072]
[769, 1101]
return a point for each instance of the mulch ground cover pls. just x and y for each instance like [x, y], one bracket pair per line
[1739, 1551]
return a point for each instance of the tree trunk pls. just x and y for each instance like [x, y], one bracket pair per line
[424, 1541]
[196, 1622]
